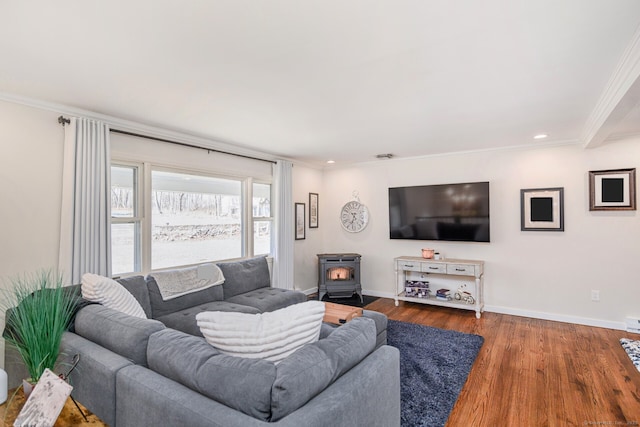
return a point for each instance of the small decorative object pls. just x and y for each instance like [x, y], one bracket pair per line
[45, 402]
[443, 294]
[542, 209]
[300, 227]
[462, 295]
[313, 210]
[416, 288]
[436, 255]
[354, 216]
[612, 190]
[427, 253]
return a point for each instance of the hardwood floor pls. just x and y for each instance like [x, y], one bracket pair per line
[533, 372]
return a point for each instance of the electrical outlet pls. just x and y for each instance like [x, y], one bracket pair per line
[595, 295]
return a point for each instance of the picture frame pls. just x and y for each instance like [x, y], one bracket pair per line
[300, 221]
[542, 209]
[612, 190]
[313, 210]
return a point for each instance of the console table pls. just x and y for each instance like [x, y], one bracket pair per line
[456, 275]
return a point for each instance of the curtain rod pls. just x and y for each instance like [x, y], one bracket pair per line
[62, 120]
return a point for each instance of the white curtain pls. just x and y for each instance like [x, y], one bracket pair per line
[85, 235]
[284, 232]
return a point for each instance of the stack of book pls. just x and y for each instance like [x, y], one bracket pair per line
[416, 288]
[443, 294]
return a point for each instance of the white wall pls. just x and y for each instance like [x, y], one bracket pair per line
[31, 186]
[307, 180]
[540, 274]
[31, 143]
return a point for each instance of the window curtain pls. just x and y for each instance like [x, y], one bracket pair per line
[284, 231]
[85, 233]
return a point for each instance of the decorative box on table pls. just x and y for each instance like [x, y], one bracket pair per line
[416, 288]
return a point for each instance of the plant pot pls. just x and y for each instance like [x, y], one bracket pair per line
[427, 253]
[27, 387]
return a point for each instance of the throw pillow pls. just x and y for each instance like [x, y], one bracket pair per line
[111, 294]
[271, 336]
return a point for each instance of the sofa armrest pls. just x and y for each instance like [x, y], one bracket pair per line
[94, 378]
[123, 334]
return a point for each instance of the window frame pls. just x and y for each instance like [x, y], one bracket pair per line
[255, 219]
[137, 219]
[143, 248]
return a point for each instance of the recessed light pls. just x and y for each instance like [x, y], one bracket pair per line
[540, 136]
[331, 162]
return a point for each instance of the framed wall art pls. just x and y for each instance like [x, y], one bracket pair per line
[542, 209]
[612, 190]
[300, 225]
[313, 210]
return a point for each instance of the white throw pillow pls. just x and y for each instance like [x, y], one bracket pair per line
[111, 294]
[270, 336]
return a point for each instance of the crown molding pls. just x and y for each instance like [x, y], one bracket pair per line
[620, 96]
[131, 126]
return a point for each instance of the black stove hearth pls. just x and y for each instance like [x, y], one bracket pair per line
[339, 276]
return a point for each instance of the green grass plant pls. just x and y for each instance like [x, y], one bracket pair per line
[39, 310]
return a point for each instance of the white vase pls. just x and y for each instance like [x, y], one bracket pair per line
[3, 386]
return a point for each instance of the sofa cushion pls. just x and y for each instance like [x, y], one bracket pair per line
[242, 384]
[269, 299]
[160, 308]
[123, 334]
[138, 288]
[111, 294]
[270, 336]
[312, 368]
[185, 320]
[244, 276]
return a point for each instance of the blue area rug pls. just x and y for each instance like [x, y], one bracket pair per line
[434, 365]
[632, 348]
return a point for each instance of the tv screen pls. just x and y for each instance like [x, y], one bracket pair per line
[454, 212]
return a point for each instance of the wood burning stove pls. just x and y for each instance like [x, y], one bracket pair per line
[339, 276]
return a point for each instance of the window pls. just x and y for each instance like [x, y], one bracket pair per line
[262, 219]
[125, 219]
[195, 219]
[185, 218]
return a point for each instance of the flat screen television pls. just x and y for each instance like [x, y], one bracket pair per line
[453, 212]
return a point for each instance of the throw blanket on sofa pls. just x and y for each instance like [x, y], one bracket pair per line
[178, 282]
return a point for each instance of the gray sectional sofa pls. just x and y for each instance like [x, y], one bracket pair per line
[161, 371]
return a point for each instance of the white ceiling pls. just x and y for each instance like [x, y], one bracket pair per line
[336, 79]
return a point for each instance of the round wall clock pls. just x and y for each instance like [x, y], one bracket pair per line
[354, 216]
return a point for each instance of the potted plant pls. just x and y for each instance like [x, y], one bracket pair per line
[39, 309]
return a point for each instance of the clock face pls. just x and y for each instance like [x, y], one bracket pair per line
[354, 217]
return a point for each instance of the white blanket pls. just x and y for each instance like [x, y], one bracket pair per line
[175, 283]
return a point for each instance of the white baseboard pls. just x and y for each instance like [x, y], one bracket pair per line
[364, 292]
[556, 317]
[518, 312]
[378, 294]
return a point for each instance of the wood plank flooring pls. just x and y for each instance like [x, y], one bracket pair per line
[533, 372]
